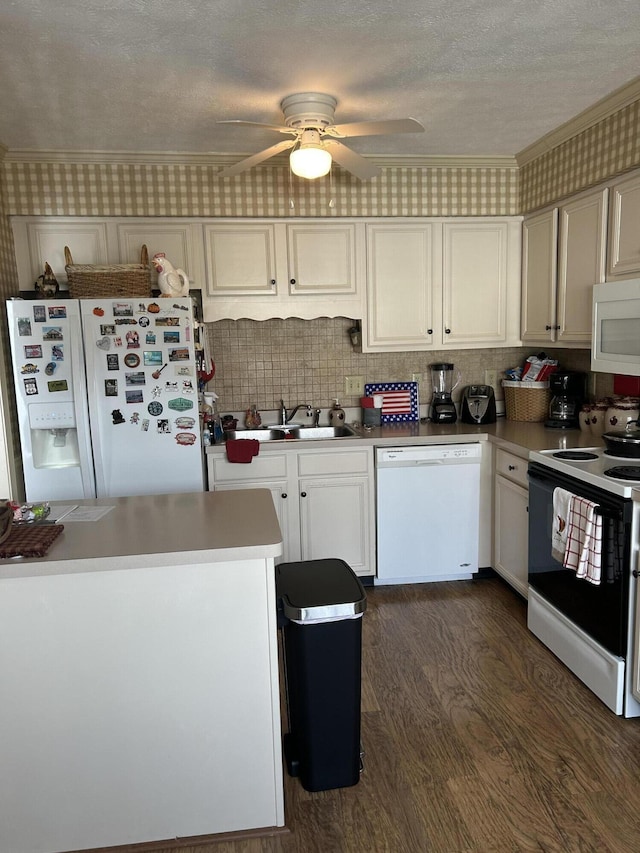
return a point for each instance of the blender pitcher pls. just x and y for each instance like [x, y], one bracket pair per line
[443, 381]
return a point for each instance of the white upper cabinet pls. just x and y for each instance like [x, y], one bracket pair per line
[241, 260]
[440, 283]
[563, 257]
[539, 275]
[624, 229]
[581, 264]
[481, 263]
[180, 240]
[403, 265]
[40, 240]
[276, 269]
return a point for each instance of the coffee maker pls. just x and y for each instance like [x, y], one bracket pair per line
[568, 393]
[443, 380]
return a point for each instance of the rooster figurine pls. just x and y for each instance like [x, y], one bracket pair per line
[172, 282]
[47, 284]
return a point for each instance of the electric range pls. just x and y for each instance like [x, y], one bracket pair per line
[618, 475]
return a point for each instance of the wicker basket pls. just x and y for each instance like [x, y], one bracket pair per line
[92, 281]
[526, 401]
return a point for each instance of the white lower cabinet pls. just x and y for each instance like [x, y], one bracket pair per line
[323, 499]
[511, 519]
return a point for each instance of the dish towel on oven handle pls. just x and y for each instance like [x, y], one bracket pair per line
[584, 540]
[561, 501]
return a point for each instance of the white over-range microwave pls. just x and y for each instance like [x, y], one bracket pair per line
[615, 346]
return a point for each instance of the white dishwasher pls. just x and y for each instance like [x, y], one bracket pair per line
[428, 512]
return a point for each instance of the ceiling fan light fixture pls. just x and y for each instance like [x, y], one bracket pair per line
[311, 160]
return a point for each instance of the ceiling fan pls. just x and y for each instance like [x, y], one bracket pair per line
[309, 118]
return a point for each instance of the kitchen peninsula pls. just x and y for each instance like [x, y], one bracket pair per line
[139, 676]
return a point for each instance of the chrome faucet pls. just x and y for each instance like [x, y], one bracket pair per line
[285, 416]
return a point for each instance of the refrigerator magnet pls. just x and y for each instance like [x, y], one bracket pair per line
[144, 426]
[137, 377]
[122, 309]
[134, 396]
[132, 359]
[164, 426]
[57, 352]
[171, 337]
[186, 438]
[50, 369]
[52, 333]
[33, 351]
[24, 327]
[99, 312]
[57, 312]
[39, 314]
[30, 386]
[111, 387]
[144, 322]
[150, 338]
[133, 339]
[113, 362]
[58, 385]
[104, 343]
[116, 416]
[135, 418]
[179, 354]
[154, 408]
[107, 329]
[180, 404]
[187, 386]
[29, 367]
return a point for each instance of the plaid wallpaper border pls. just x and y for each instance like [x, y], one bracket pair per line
[121, 189]
[606, 149]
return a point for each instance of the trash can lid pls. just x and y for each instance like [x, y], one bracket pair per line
[319, 591]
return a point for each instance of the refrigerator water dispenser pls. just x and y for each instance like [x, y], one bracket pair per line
[54, 437]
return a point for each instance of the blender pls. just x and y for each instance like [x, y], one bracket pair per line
[443, 381]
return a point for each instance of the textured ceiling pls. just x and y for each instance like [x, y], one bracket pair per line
[485, 77]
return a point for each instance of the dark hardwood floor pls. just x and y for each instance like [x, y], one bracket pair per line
[477, 740]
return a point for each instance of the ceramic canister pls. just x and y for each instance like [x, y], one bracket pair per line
[598, 423]
[584, 418]
[620, 413]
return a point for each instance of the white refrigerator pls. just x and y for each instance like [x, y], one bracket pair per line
[107, 396]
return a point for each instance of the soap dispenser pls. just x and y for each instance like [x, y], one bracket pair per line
[336, 415]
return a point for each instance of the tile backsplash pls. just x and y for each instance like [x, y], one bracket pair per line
[306, 361]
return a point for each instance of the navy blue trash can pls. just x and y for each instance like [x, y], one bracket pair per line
[320, 608]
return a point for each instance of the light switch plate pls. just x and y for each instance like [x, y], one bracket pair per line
[354, 386]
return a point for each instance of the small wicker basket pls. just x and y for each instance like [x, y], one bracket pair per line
[526, 401]
[92, 281]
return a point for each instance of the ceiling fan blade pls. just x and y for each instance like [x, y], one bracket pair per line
[351, 161]
[376, 128]
[243, 165]
[277, 127]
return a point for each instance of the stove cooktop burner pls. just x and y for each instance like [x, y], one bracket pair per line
[576, 455]
[623, 472]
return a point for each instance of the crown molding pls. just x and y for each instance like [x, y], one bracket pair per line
[158, 158]
[607, 106]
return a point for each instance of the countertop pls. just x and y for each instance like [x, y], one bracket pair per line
[518, 436]
[155, 530]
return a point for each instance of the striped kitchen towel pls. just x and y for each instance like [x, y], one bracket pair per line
[583, 553]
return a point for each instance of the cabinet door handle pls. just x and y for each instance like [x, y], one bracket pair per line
[429, 331]
[293, 281]
[447, 331]
[303, 494]
[548, 328]
[557, 328]
[512, 467]
[273, 282]
[284, 495]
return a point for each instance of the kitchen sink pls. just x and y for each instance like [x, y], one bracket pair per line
[288, 433]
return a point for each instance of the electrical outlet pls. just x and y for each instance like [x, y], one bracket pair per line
[416, 377]
[491, 378]
[354, 386]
